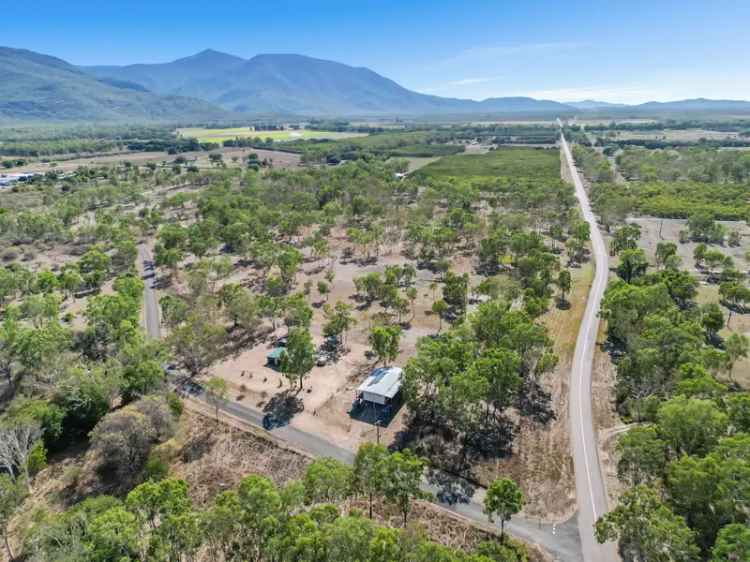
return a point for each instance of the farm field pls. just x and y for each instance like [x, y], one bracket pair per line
[220, 135]
[533, 163]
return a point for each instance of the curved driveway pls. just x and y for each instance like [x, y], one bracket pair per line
[590, 487]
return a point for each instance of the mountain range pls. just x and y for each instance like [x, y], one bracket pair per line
[301, 85]
[215, 86]
[36, 87]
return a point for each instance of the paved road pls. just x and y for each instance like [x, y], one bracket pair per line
[150, 301]
[457, 495]
[590, 488]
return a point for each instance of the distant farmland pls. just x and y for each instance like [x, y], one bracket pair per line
[220, 135]
[536, 163]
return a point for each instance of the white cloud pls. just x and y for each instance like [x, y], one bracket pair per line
[482, 53]
[458, 84]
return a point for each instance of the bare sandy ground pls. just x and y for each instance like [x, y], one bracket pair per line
[279, 159]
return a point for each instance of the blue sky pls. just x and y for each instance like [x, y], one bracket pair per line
[627, 51]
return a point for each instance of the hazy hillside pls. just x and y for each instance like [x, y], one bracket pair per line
[595, 104]
[698, 104]
[40, 87]
[303, 85]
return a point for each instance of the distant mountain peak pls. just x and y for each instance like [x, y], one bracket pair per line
[210, 56]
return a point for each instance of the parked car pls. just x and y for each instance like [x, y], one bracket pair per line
[321, 358]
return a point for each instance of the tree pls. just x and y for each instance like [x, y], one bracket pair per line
[402, 480]
[713, 260]
[564, 283]
[738, 410]
[12, 494]
[9, 330]
[84, 395]
[216, 393]
[298, 357]
[339, 320]
[94, 266]
[197, 342]
[141, 371]
[633, 264]
[647, 529]
[167, 257]
[690, 425]
[324, 289]
[17, 442]
[384, 341]
[643, 455]
[737, 346]
[411, 294]
[503, 499]
[298, 312]
[122, 440]
[699, 254]
[732, 544]
[368, 470]
[440, 308]
[712, 318]
[70, 280]
[113, 535]
[626, 238]
[664, 251]
[112, 321]
[327, 480]
[243, 308]
[456, 292]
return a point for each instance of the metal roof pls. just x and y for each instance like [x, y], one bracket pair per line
[385, 381]
[276, 353]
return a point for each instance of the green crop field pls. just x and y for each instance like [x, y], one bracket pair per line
[503, 162]
[219, 135]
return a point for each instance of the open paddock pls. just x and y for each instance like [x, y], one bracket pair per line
[220, 135]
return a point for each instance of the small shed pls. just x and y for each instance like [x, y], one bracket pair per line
[274, 358]
[382, 385]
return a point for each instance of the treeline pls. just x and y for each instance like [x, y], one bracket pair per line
[311, 519]
[45, 142]
[687, 461]
[680, 199]
[660, 125]
[695, 164]
[663, 144]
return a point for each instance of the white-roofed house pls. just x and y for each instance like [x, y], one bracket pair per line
[382, 386]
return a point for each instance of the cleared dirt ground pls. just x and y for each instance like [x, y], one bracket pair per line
[655, 230]
[200, 159]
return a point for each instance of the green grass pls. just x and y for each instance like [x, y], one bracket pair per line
[376, 143]
[219, 135]
[426, 150]
[508, 162]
